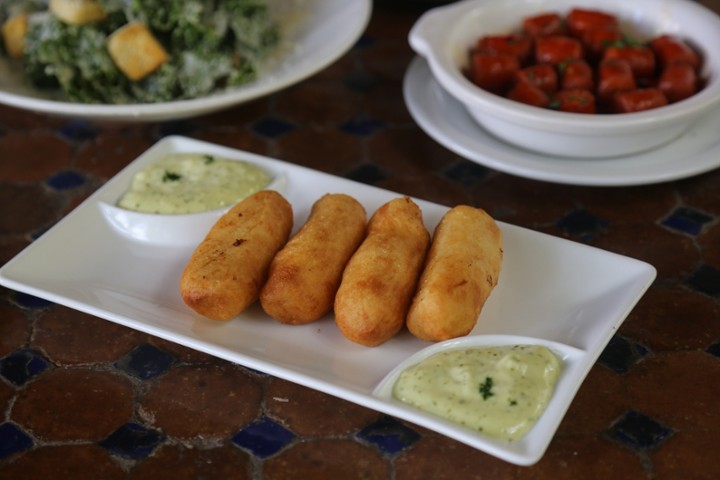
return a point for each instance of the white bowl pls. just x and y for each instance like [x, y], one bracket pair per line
[169, 230]
[529, 448]
[175, 230]
[444, 36]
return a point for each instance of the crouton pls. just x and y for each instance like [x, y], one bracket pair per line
[77, 12]
[13, 33]
[135, 51]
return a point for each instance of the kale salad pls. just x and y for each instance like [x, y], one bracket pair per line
[85, 49]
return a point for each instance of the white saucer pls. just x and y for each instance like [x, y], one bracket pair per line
[446, 120]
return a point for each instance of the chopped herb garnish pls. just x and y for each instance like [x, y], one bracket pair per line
[632, 41]
[486, 388]
[209, 159]
[513, 403]
[625, 42]
[171, 177]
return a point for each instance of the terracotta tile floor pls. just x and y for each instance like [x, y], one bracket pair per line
[81, 397]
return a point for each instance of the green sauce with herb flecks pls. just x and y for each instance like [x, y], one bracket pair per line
[500, 391]
[191, 183]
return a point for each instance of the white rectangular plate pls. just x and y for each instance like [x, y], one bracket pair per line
[550, 289]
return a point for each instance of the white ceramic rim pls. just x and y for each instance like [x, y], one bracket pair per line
[447, 121]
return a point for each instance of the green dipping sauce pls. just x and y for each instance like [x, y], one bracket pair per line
[500, 391]
[191, 183]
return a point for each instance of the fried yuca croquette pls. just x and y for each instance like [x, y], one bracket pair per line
[228, 269]
[305, 275]
[461, 270]
[379, 280]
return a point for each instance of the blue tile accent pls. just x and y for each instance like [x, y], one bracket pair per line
[367, 173]
[13, 440]
[365, 41]
[21, 366]
[687, 220]
[133, 441]
[256, 372]
[145, 361]
[39, 233]
[714, 349]
[360, 81]
[466, 173]
[263, 437]
[78, 130]
[638, 431]
[582, 224]
[180, 127]
[66, 181]
[706, 279]
[389, 435]
[361, 127]
[29, 301]
[621, 354]
[272, 127]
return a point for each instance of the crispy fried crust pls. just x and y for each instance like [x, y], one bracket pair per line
[228, 269]
[380, 278]
[462, 268]
[306, 273]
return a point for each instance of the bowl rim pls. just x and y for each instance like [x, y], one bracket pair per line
[433, 33]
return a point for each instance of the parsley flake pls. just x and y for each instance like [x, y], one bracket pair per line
[171, 176]
[486, 388]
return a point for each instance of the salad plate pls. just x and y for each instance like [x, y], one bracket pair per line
[448, 122]
[314, 33]
[550, 290]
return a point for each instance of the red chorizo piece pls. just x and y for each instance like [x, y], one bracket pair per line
[555, 49]
[575, 101]
[529, 94]
[576, 74]
[671, 49]
[638, 100]
[493, 72]
[678, 81]
[596, 40]
[544, 24]
[580, 20]
[640, 58]
[614, 76]
[519, 46]
[543, 76]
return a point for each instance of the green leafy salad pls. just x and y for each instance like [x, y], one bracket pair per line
[84, 49]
